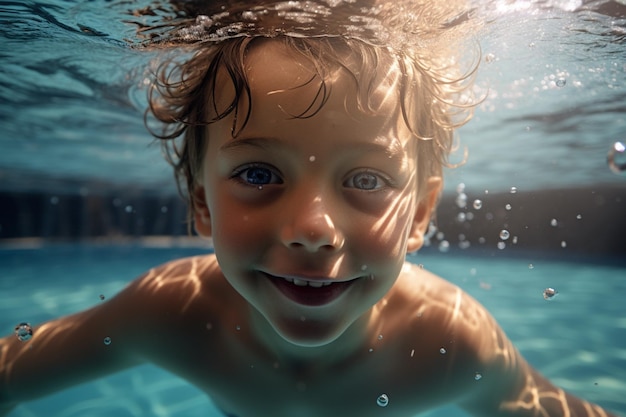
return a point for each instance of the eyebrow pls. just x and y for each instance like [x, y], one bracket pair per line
[392, 150]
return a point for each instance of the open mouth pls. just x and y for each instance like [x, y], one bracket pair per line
[311, 293]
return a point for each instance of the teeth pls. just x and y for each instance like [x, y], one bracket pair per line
[300, 282]
[304, 283]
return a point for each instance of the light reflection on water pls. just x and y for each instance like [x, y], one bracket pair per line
[554, 76]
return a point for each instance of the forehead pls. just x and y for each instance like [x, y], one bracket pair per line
[301, 76]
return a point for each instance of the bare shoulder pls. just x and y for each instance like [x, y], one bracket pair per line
[469, 352]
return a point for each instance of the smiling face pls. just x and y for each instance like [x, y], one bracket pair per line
[311, 218]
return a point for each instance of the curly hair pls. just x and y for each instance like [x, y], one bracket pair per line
[184, 95]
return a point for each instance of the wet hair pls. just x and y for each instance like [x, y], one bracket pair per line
[184, 96]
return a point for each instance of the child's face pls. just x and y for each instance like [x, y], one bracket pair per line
[329, 201]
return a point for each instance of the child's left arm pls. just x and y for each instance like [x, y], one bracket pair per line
[510, 387]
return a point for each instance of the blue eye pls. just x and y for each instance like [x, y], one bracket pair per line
[365, 181]
[257, 175]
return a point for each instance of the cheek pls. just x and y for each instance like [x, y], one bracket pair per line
[385, 234]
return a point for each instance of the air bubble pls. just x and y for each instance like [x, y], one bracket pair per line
[380, 337]
[128, 209]
[549, 294]
[513, 190]
[478, 204]
[508, 207]
[504, 234]
[554, 222]
[531, 266]
[617, 158]
[563, 244]
[107, 340]
[23, 331]
[102, 297]
[442, 351]
[444, 246]
[382, 400]
[54, 200]
[461, 200]
[260, 187]
[312, 158]
[561, 82]
[489, 58]
[501, 245]
[478, 376]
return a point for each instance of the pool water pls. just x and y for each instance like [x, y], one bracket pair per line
[577, 339]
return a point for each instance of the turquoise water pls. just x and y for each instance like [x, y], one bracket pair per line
[578, 339]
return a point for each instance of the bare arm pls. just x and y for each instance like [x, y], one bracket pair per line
[150, 320]
[65, 352]
[512, 388]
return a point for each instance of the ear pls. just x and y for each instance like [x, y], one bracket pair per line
[201, 212]
[423, 213]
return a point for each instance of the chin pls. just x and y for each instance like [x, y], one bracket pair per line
[309, 334]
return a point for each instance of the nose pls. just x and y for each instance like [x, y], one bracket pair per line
[308, 225]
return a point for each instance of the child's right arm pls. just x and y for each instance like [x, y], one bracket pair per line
[144, 322]
[66, 352]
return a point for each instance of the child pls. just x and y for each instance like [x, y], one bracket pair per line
[314, 165]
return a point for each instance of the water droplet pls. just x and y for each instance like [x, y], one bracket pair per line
[380, 337]
[554, 222]
[107, 340]
[102, 297]
[442, 351]
[478, 376]
[617, 158]
[23, 331]
[513, 190]
[461, 200]
[549, 293]
[312, 158]
[561, 82]
[478, 204]
[382, 400]
[489, 58]
[444, 246]
[504, 234]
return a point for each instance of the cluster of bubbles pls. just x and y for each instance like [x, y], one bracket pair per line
[23, 331]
